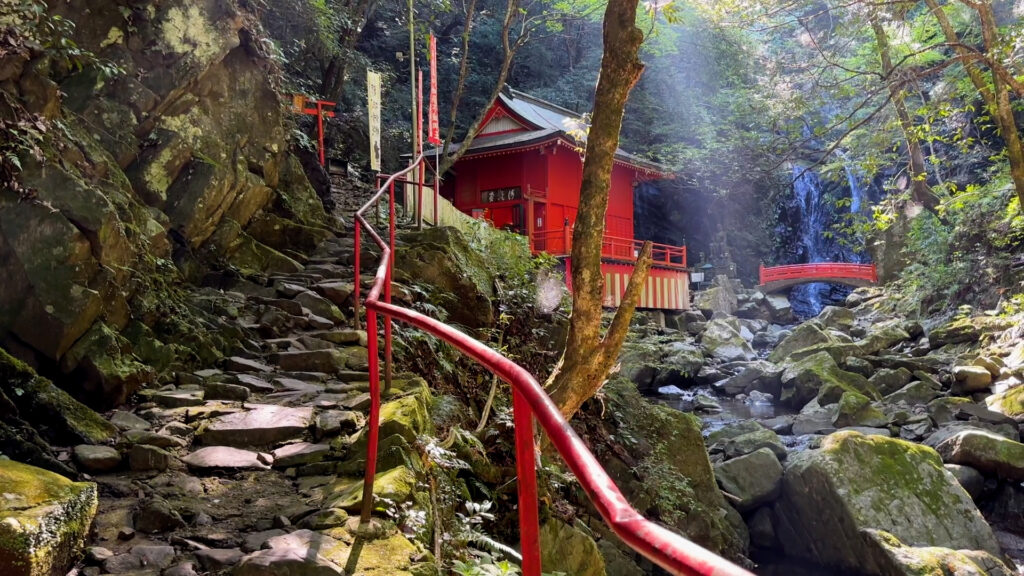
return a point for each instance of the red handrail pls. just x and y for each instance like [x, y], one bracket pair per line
[558, 242]
[663, 547]
[819, 270]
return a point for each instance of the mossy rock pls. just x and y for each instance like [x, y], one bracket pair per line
[855, 409]
[247, 254]
[902, 560]
[1009, 403]
[676, 479]
[564, 548]
[986, 451]
[396, 485]
[283, 234]
[408, 417]
[59, 417]
[102, 361]
[443, 258]
[854, 483]
[803, 336]
[882, 338]
[46, 520]
[818, 376]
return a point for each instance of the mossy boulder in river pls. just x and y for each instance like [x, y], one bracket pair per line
[935, 561]
[46, 519]
[818, 376]
[803, 336]
[834, 496]
[722, 340]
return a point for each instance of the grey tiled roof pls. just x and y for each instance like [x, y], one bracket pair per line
[548, 121]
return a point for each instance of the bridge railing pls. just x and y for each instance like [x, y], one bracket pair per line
[667, 549]
[819, 270]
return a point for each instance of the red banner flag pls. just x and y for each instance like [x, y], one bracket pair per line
[434, 130]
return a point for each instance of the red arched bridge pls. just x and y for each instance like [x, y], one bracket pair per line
[778, 278]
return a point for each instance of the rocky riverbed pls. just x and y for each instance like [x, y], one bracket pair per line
[856, 441]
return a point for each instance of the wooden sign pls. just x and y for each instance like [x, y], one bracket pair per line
[373, 110]
[501, 195]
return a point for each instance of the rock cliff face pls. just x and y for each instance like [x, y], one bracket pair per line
[176, 164]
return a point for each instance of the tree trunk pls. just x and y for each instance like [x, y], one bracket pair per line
[463, 70]
[996, 96]
[919, 189]
[1003, 108]
[589, 357]
[508, 53]
[332, 86]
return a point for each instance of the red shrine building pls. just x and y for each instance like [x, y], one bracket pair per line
[523, 173]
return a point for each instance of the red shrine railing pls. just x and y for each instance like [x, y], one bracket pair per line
[529, 400]
[558, 242]
[819, 270]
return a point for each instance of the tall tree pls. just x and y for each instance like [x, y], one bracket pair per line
[919, 189]
[590, 355]
[353, 16]
[995, 87]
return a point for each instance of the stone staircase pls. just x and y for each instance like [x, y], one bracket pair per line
[253, 467]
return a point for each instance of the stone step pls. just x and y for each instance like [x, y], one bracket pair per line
[258, 425]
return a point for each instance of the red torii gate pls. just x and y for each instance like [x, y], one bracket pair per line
[778, 278]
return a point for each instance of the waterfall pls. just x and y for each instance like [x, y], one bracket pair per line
[854, 178]
[816, 216]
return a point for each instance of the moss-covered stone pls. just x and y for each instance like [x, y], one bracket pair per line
[408, 417]
[1009, 403]
[901, 560]
[443, 258]
[855, 409]
[107, 370]
[803, 336]
[564, 548]
[832, 496]
[45, 520]
[60, 417]
[818, 376]
[396, 485]
[676, 481]
[721, 339]
[987, 451]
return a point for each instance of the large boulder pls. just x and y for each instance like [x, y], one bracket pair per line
[46, 519]
[780, 309]
[718, 300]
[722, 340]
[569, 550]
[754, 479]
[833, 497]
[855, 409]
[35, 411]
[681, 361]
[901, 560]
[818, 376]
[443, 258]
[985, 451]
[803, 336]
[676, 480]
[1009, 402]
